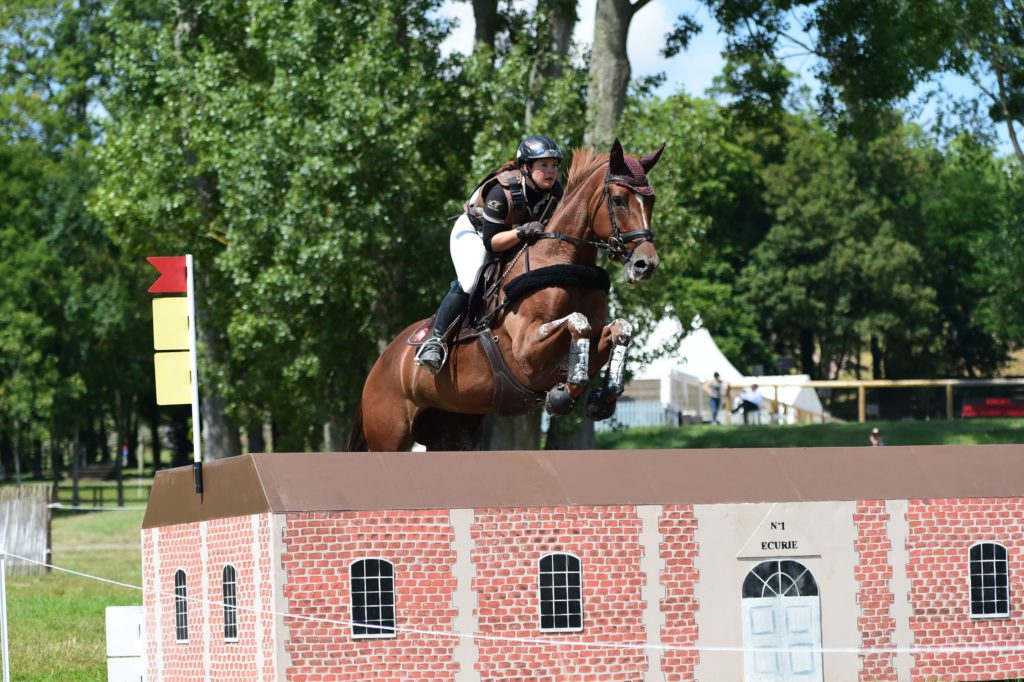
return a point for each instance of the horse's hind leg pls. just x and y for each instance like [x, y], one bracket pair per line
[613, 348]
[388, 426]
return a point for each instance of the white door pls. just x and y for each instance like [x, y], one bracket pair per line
[781, 624]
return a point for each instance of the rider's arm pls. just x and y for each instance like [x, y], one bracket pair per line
[496, 236]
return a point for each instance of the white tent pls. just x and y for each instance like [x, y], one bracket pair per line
[669, 390]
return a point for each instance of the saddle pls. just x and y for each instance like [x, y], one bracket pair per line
[510, 397]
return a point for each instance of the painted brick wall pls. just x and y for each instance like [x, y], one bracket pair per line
[231, 542]
[228, 541]
[509, 545]
[679, 552]
[941, 533]
[179, 549]
[873, 574]
[317, 552]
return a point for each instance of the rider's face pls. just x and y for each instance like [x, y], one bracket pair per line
[544, 172]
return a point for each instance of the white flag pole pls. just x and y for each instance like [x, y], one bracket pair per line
[3, 617]
[197, 440]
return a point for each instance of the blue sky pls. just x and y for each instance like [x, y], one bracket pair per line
[694, 69]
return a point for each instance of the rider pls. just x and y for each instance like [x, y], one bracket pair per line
[509, 208]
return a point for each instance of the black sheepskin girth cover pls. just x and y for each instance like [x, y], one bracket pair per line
[566, 275]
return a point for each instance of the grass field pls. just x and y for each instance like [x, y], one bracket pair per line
[57, 620]
[956, 432]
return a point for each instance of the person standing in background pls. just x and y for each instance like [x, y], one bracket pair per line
[876, 437]
[714, 387]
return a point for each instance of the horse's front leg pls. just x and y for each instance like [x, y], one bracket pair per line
[612, 348]
[543, 343]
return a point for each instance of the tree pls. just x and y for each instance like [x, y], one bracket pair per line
[304, 154]
[609, 69]
[833, 269]
[873, 54]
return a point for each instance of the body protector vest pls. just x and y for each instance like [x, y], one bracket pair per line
[519, 209]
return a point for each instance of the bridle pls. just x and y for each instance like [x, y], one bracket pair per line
[616, 244]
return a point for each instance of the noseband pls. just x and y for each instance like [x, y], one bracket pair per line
[616, 244]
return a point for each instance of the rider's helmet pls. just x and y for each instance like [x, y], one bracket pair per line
[537, 147]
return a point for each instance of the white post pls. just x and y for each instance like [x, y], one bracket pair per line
[192, 357]
[3, 617]
[197, 439]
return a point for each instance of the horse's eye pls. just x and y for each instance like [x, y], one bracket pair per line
[619, 201]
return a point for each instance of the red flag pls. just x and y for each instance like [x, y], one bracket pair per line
[173, 276]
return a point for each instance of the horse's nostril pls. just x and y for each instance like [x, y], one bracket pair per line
[640, 265]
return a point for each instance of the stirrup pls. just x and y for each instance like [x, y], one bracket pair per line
[432, 342]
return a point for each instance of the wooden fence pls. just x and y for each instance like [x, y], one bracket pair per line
[25, 527]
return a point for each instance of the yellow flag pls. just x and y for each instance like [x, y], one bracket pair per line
[170, 323]
[173, 378]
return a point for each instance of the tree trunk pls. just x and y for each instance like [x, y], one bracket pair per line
[609, 70]
[556, 20]
[153, 417]
[254, 436]
[485, 14]
[877, 359]
[335, 433]
[807, 363]
[512, 433]
[571, 435]
[220, 434]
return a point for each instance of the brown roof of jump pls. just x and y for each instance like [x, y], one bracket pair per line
[347, 481]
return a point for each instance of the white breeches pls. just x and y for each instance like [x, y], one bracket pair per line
[468, 253]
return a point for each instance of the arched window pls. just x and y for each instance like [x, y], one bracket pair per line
[230, 591]
[373, 598]
[561, 596]
[779, 579]
[990, 581]
[180, 607]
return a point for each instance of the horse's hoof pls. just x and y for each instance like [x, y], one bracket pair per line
[597, 408]
[558, 401]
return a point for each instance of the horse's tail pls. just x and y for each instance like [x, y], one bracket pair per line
[356, 437]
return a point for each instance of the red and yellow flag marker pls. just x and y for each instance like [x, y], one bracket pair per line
[174, 339]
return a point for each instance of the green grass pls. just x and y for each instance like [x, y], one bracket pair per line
[955, 432]
[57, 621]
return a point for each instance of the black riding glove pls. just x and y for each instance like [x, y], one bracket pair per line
[529, 232]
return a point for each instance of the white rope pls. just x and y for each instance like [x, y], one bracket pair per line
[878, 651]
[68, 507]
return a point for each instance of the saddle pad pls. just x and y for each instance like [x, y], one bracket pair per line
[426, 328]
[422, 333]
[565, 275]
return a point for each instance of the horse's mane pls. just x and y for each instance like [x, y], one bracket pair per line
[585, 162]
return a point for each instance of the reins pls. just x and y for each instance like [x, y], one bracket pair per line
[615, 246]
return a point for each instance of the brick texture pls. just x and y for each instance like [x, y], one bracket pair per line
[318, 550]
[873, 574]
[229, 541]
[941, 534]
[509, 545]
[679, 552]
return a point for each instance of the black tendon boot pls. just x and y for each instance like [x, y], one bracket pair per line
[433, 353]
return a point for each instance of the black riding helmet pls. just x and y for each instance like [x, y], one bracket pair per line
[537, 147]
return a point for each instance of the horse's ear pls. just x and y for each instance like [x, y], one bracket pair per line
[616, 159]
[648, 161]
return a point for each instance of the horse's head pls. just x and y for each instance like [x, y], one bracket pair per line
[626, 225]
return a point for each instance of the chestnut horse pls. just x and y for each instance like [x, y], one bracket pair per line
[547, 338]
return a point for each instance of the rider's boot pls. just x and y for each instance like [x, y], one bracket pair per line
[433, 353]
